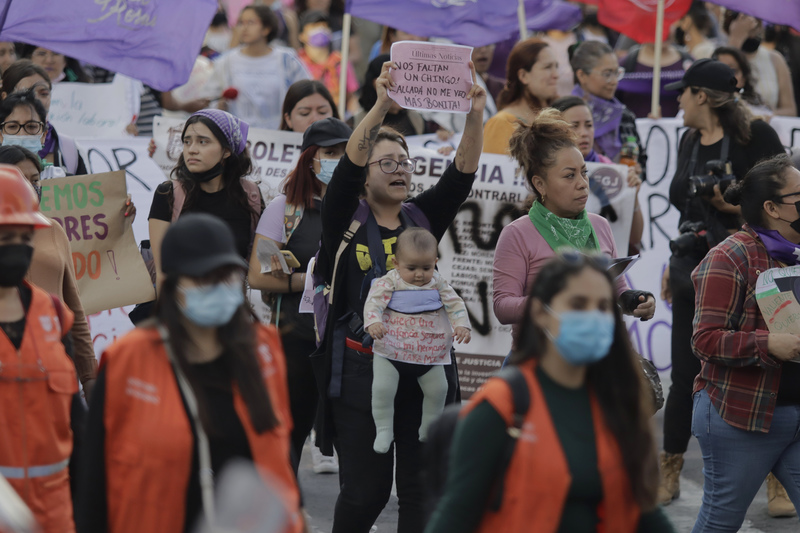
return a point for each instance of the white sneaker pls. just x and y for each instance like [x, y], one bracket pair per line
[322, 464]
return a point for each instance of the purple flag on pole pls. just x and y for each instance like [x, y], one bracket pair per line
[155, 41]
[781, 12]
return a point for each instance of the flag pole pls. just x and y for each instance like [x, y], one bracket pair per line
[346, 21]
[656, 91]
[523, 26]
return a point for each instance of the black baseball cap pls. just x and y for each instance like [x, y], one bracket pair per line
[197, 244]
[326, 132]
[708, 74]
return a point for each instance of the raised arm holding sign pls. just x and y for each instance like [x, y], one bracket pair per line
[431, 76]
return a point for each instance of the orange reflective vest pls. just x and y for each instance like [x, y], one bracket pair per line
[538, 479]
[149, 442]
[37, 383]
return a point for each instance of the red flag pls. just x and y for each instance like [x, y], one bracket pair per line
[637, 18]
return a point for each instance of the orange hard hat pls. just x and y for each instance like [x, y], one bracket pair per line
[19, 205]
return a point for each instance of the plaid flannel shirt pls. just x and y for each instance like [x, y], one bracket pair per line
[730, 334]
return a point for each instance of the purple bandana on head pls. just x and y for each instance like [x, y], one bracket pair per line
[606, 115]
[234, 129]
[778, 247]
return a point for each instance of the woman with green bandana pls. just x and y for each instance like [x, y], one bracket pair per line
[548, 154]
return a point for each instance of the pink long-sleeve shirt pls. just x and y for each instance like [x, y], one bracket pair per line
[521, 253]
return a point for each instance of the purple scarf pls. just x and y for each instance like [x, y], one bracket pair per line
[49, 142]
[778, 247]
[592, 157]
[606, 115]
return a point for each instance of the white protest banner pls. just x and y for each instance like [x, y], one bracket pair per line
[90, 109]
[274, 153]
[788, 129]
[108, 267]
[613, 180]
[431, 76]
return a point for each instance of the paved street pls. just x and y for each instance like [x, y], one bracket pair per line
[320, 493]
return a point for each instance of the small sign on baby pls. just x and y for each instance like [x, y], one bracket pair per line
[420, 338]
[431, 76]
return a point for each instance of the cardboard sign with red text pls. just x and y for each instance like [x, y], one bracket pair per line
[431, 76]
[109, 269]
[421, 338]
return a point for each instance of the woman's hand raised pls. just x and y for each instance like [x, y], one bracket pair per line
[383, 83]
[477, 94]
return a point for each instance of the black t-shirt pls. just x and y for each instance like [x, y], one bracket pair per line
[15, 331]
[304, 244]
[764, 142]
[218, 203]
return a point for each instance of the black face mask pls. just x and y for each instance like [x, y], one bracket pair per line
[15, 259]
[751, 44]
[796, 224]
[208, 175]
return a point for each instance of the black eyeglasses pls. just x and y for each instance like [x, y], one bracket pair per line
[390, 166]
[31, 128]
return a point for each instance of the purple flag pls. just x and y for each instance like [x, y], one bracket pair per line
[467, 22]
[781, 12]
[155, 41]
[543, 15]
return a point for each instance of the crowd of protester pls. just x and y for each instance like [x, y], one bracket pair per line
[201, 383]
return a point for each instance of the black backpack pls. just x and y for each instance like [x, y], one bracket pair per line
[440, 436]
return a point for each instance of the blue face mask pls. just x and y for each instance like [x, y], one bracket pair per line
[31, 142]
[584, 337]
[326, 169]
[212, 305]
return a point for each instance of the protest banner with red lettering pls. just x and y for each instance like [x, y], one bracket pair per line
[431, 76]
[108, 267]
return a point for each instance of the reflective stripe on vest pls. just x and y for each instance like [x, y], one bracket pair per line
[19, 472]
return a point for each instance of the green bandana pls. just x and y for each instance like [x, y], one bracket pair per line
[576, 233]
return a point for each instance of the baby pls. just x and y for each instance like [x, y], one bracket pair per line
[409, 313]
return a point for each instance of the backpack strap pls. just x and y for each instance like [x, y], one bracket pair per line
[291, 219]
[412, 215]
[522, 399]
[254, 199]
[178, 199]
[360, 216]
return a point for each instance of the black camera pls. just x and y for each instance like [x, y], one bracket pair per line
[693, 238]
[717, 173]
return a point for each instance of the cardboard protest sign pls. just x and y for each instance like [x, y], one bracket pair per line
[777, 295]
[90, 109]
[431, 76]
[108, 267]
[274, 153]
[421, 338]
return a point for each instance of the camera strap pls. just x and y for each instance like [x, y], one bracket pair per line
[723, 154]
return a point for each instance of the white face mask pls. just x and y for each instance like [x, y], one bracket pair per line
[31, 142]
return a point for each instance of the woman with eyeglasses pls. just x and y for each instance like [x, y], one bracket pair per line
[584, 460]
[746, 398]
[37, 376]
[555, 171]
[201, 385]
[532, 84]
[597, 74]
[57, 149]
[365, 209]
[292, 222]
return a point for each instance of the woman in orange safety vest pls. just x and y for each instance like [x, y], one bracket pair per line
[584, 460]
[37, 376]
[198, 386]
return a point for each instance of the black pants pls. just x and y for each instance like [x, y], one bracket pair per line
[365, 476]
[685, 365]
[303, 393]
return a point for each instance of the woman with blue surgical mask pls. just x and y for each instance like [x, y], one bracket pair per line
[292, 222]
[584, 459]
[22, 121]
[200, 386]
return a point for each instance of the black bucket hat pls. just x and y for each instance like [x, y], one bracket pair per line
[326, 132]
[197, 244]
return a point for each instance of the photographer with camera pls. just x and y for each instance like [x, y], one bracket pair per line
[724, 142]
